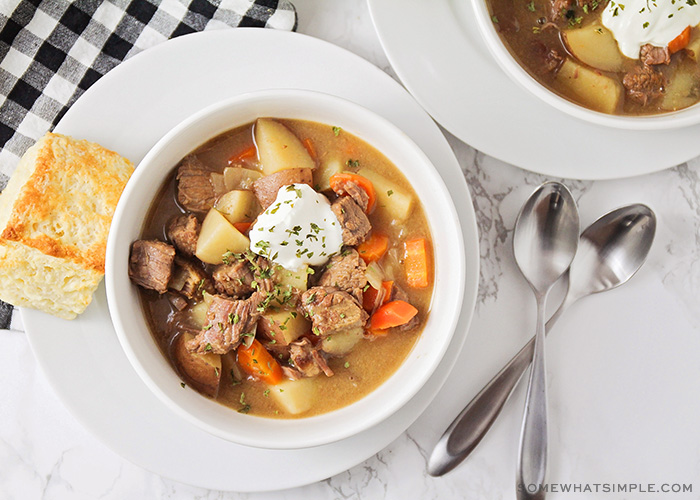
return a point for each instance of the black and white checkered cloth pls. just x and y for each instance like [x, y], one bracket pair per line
[51, 51]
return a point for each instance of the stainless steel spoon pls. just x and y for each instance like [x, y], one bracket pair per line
[545, 239]
[610, 252]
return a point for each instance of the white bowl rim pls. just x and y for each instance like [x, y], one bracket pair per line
[124, 318]
[670, 120]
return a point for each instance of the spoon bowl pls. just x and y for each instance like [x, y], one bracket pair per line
[546, 235]
[611, 251]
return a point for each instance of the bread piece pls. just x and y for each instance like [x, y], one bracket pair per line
[55, 215]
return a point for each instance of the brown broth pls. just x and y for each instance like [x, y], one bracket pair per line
[371, 362]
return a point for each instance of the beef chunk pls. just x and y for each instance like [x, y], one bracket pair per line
[234, 279]
[558, 8]
[243, 275]
[346, 272]
[266, 187]
[307, 359]
[355, 224]
[332, 310]
[183, 231]
[151, 264]
[355, 192]
[654, 55]
[546, 61]
[227, 321]
[190, 279]
[398, 293]
[177, 301]
[644, 84]
[292, 373]
[196, 191]
[552, 61]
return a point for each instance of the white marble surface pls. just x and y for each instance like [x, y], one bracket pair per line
[623, 372]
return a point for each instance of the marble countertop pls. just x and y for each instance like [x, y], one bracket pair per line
[624, 376]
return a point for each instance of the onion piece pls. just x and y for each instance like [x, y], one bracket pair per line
[374, 275]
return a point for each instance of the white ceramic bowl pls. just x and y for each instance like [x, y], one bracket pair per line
[515, 71]
[144, 354]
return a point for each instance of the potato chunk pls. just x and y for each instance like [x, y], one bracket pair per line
[294, 396]
[198, 314]
[295, 279]
[683, 87]
[342, 343]
[595, 90]
[279, 148]
[323, 174]
[391, 198]
[238, 206]
[283, 326]
[595, 46]
[217, 237]
[201, 371]
[240, 178]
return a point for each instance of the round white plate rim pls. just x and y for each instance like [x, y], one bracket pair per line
[354, 449]
[539, 138]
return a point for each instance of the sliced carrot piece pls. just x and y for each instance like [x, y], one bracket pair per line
[374, 247]
[247, 154]
[391, 314]
[416, 263]
[337, 183]
[310, 148]
[258, 362]
[369, 297]
[243, 227]
[680, 42]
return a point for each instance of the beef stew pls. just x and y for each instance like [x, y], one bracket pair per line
[288, 293]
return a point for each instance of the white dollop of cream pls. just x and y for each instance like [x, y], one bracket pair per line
[298, 228]
[635, 23]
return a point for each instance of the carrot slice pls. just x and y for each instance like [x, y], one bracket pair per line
[369, 297]
[259, 363]
[247, 154]
[374, 247]
[243, 227]
[416, 263]
[310, 148]
[680, 42]
[337, 182]
[391, 314]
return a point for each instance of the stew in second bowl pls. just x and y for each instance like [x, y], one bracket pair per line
[623, 58]
[285, 268]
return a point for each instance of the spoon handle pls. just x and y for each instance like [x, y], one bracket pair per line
[471, 425]
[532, 454]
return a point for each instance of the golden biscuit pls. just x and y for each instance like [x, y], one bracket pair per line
[55, 215]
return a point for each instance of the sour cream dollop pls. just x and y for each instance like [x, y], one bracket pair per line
[635, 23]
[298, 228]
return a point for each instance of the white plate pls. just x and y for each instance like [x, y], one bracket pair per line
[128, 110]
[437, 51]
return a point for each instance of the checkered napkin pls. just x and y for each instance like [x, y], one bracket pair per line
[51, 51]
